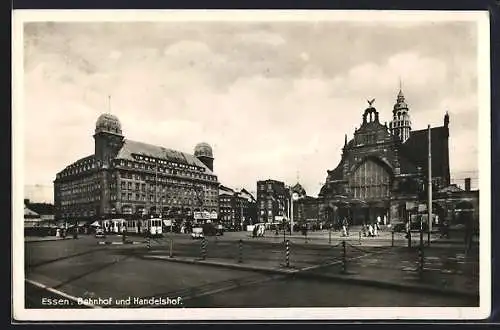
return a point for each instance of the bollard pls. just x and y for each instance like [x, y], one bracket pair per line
[330, 237]
[287, 253]
[171, 252]
[240, 252]
[204, 249]
[148, 242]
[420, 260]
[359, 237]
[344, 258]
[409, 238]
[392, 238]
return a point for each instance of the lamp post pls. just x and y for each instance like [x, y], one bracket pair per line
[429, 192]
[294, 197]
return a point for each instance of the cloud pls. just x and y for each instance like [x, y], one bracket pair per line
[272, 102]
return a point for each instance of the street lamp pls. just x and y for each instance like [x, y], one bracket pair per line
[293, 198]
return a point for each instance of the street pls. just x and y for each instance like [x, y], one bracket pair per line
[253, 273]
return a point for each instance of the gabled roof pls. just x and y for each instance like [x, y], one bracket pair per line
[30, 213]
[140, 148]
[87, 160]
[416, 149]
[42, 208]
[223, 190]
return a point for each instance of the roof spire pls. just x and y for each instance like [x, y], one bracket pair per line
[345, 140]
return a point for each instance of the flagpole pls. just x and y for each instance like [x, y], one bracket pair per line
[429, 185]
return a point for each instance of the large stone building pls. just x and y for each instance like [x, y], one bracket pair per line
[237, 208]
[126, 178]
[384, 168]
[272, 201]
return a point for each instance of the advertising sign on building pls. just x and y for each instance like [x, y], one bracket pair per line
[205, 215]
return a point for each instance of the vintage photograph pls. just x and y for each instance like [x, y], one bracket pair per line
[208, 165]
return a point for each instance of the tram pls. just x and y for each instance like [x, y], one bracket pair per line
[149, 227]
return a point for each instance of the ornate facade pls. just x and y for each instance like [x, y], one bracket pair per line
[383, 168]
[125, 178]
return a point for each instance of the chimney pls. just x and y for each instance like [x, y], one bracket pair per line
[26, 202]
[467, 184]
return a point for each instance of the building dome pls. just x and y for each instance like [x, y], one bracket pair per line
[108, 123]
[400, 102]
[203, 150]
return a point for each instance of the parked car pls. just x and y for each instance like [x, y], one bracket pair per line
[211, 229]
[399, 227]
[99, 233]
[197, 233]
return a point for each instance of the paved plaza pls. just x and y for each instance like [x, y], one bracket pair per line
[222, 270]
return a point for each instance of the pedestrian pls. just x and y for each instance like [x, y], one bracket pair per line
[444, 229]
[370, 230]
[254, 231]
[375, 230]
[408, 228]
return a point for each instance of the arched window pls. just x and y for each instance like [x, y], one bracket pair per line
[371, 180]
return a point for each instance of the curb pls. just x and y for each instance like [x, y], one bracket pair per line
[48, 240]
[307, 275]
[119, 243]
[224, 265]
[318, 245]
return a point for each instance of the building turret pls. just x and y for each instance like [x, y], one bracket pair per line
[203, 151]
[108, 138]
[400, 125]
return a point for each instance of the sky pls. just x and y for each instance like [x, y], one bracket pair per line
[273, 99]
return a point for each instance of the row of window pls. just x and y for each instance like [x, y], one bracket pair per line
[166, 162]
[162, 198]
[136, 186]
[270, 213]
[262, 186]
[83, 185]
[77, 169]
[167, 170]
[371, 192]
[400, 123]
[80, 200]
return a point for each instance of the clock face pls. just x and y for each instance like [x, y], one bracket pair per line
[295, 196]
